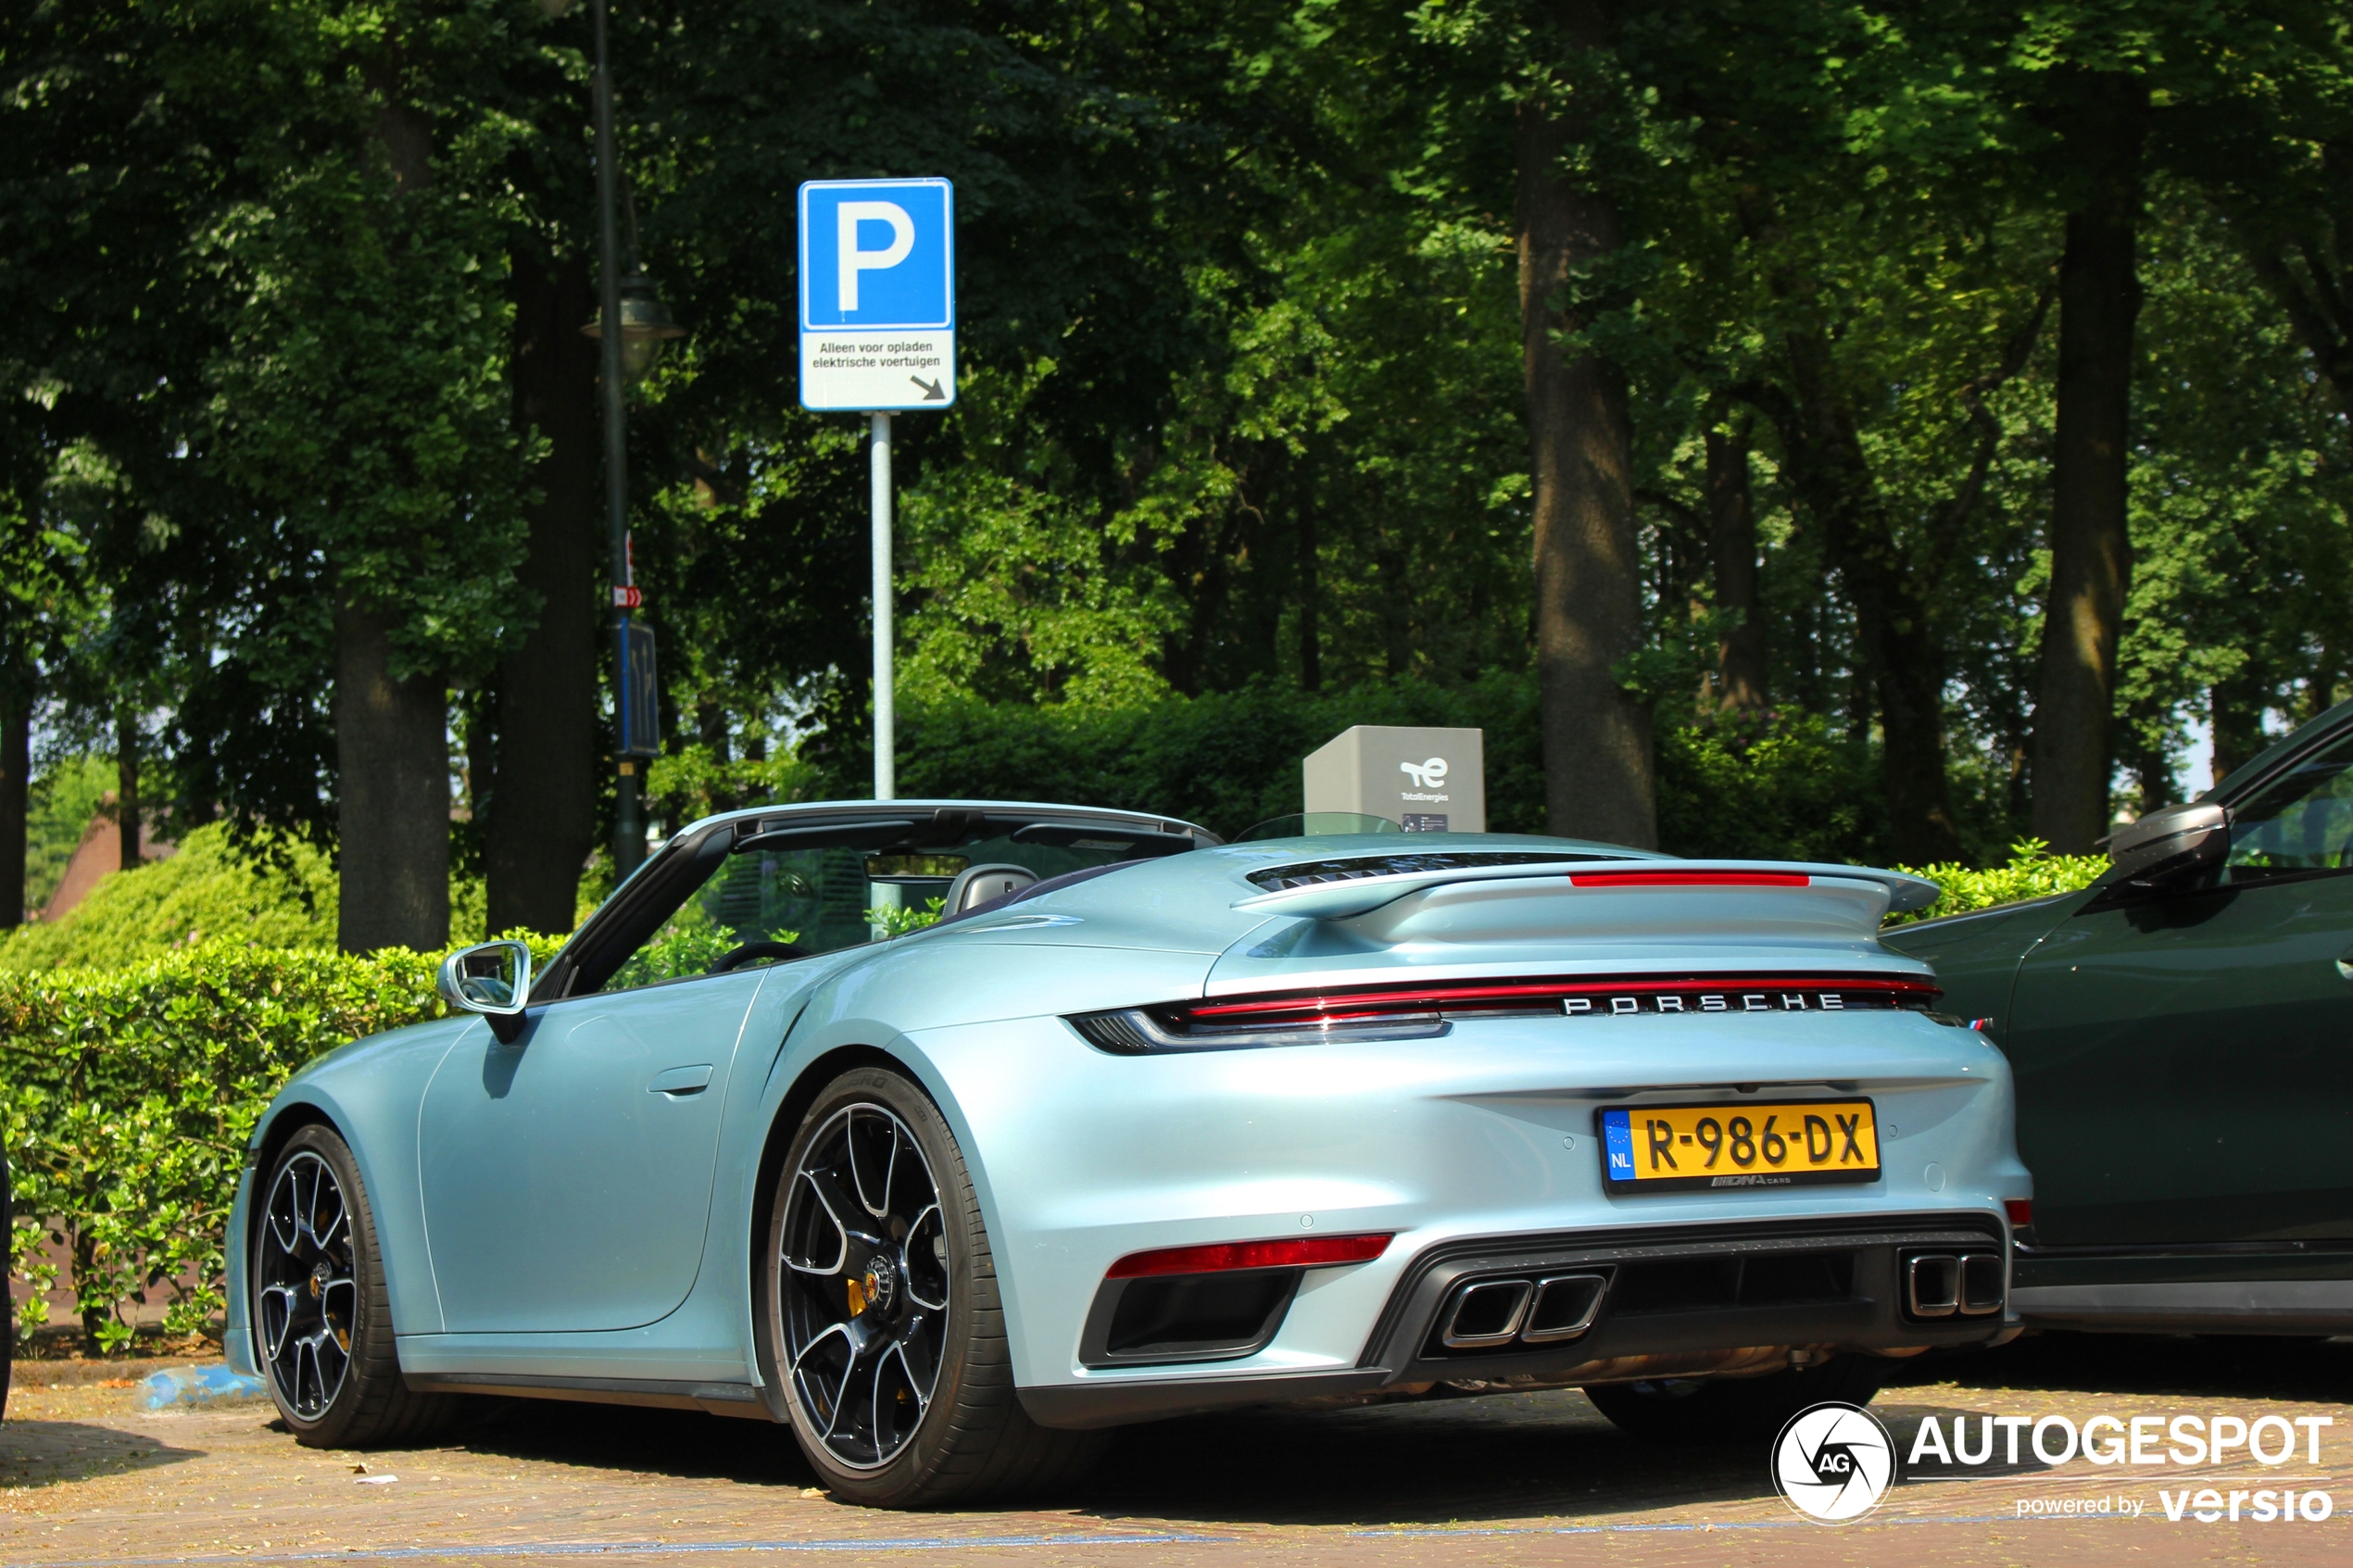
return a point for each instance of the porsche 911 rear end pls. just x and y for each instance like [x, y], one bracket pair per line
[1499, 1115]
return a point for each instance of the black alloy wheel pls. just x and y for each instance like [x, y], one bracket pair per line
[880, 1322]
[865, 1306]
[321, 1315]
[305, 1300]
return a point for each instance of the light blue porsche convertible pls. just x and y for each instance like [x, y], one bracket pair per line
[1144, 1124]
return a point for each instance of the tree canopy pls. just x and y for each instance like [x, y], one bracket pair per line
[1922, 426]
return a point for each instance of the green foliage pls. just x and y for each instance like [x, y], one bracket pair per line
[689, 943]
[694, 781]
[280, 894]
[897, 919]
[208, 890]
[1777, 786]
[2032, 873]
[1774, 786]
[126, 1099]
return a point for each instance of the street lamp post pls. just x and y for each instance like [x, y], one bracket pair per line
[628, 354]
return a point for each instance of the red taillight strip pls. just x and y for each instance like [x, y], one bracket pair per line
[1439, 996]
[1690, 879]
[1303, 1252]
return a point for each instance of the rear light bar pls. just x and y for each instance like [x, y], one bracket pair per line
[1690, 879]
[1408, 1012]
[1223, 1256]
[2019, 1210]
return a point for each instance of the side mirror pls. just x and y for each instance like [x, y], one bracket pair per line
[491, 978]
[2166, 845]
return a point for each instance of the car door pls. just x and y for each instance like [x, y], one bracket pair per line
[567, 1171]
[567, 1174]
[2184, 1056]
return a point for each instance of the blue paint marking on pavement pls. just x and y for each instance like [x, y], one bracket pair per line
[626, 1548]
[198, 1385]
[957, 1543]
[1716, 1525]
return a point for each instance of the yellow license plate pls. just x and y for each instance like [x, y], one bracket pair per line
[1793, 1143]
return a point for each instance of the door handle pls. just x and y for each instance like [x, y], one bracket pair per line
[680, 1082]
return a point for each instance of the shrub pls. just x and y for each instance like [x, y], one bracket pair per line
[1776, 786]
[283, 895]
[128, 1095]
[2032, 873]
[207, 889]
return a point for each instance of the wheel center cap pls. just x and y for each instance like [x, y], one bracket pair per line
[320, 1275]
[881, 1283]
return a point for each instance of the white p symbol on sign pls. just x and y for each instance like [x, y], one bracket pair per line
[851, 260]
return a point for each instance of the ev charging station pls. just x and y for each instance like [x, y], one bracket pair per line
[1424, 780]
[878, 337]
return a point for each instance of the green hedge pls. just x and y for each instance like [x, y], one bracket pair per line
[1772, 787]
[127, 1096]
[2032, 873]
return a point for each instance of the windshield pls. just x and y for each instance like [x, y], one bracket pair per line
[818, 900]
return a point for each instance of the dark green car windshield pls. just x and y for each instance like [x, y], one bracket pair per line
[2302, 821]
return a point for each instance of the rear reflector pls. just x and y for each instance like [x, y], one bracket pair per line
[2019, 1210]
[1690, 879]
[1305, 1252]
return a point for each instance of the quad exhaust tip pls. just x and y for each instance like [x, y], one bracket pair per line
[1944, 1285]
[1540, 1312]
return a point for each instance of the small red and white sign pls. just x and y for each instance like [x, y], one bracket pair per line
[630, 597]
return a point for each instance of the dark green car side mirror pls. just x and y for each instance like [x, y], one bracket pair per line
[2170, 845]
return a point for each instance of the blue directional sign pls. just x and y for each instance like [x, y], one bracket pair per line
[877, 295]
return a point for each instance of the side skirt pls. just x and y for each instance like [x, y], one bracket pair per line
[718, 1399]
[2271, 1306]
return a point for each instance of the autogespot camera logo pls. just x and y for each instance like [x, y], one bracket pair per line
[1833, 1462]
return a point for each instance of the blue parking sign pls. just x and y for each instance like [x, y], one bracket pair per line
[877, 294]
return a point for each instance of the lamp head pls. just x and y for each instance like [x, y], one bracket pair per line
[646, 326]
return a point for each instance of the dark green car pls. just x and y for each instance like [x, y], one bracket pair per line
[2182, 1033]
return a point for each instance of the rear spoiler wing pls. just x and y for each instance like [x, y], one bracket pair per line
[1349, 899]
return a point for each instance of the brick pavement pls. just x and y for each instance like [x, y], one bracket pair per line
[85, 1480]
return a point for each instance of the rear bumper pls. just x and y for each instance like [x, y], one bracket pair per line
[1728, 1299]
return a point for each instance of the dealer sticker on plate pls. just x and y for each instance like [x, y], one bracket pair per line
[1777, 1144]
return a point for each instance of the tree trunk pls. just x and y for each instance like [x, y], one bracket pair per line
[126, 795]
[392, 762]
[542, 820]
[1598, 766]
[2091, 546]
[16, 775]
[1740, 652]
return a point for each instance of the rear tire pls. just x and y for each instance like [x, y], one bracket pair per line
[1691, 1413]
[321, 1316]
[890, 1352]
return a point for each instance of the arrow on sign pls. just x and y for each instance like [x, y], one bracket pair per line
[932, 394]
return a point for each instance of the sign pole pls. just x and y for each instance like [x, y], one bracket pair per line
[885, 703]
[628, 838]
